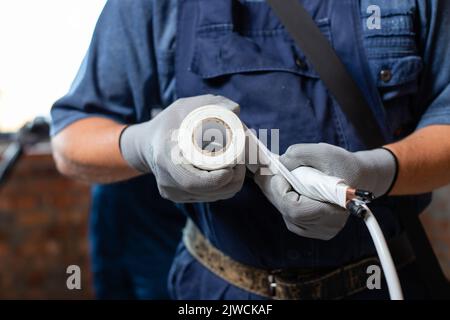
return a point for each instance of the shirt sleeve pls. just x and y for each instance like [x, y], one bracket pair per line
[117, 78]
[434, 95]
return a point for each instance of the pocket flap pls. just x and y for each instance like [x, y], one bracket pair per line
[401, 70]
[219, 51]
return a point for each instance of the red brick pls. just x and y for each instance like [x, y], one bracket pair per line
[34, 218]
[43, 223]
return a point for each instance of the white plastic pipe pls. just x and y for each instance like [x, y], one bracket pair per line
[325, 189]
[395, 289]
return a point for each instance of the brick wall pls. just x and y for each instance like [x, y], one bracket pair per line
[43, 229]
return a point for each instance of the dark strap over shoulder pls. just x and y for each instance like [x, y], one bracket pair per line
[342, 86]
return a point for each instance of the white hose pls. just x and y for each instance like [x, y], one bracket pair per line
[395, 290]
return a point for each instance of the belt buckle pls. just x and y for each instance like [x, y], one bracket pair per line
[273, 282]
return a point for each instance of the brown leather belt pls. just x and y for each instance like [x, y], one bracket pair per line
[298, 284]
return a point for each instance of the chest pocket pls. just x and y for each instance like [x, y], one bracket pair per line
[238, 45]
[246, 55]
[394, 61]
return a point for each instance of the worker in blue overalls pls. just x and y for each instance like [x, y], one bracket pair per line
[254, 237]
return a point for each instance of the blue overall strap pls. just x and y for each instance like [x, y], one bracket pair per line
[342, 86]
[330, 68]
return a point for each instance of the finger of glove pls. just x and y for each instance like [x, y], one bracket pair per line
[329, 159]
[191, 103]
[226, 103]
[324, 216]
[179, 196]
[331, 221]
[227, 191]
[274, 187]
[189, 178]
[309, 211]
[193, 179]
[303, 231]
[312, 232]
[294, 209]
[310, 155]
[279, 192]
[237, 182]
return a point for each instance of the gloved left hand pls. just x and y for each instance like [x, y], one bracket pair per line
[150, 147]
[372, 170]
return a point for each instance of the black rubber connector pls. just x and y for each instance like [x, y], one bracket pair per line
[364, 195]
[356, 209]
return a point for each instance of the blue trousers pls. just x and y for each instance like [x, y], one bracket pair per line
[133, 236]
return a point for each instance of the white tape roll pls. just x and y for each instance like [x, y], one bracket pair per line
[212, 137]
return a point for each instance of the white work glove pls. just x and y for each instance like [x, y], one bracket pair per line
[373, 171]
[151, 147]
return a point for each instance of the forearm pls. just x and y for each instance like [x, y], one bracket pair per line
[424, 161]
[89, 150]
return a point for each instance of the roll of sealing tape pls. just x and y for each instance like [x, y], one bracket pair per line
[212, 137]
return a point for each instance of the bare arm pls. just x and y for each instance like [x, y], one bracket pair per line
[424, 160]
[88, 150]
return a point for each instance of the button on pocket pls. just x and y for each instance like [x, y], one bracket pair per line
[386, 75]
[300, 63]
[396, 77]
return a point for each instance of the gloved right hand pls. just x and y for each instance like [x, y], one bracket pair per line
[149, 147]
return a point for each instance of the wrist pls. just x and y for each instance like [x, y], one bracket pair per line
[130, 146]
[396, 163]
[381, 166]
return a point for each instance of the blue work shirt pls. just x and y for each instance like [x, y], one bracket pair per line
[147, 53]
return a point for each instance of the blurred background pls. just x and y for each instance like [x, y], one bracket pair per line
[43, 216]
[42, 44]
